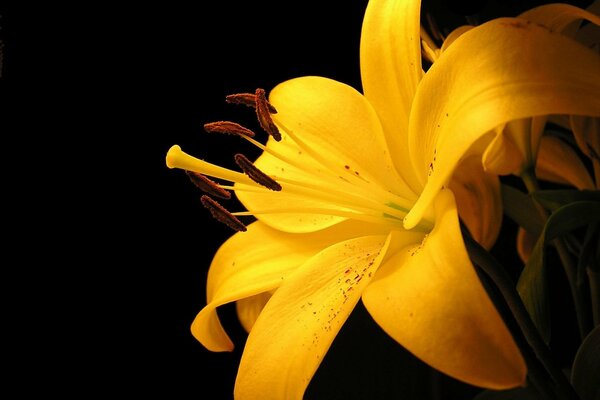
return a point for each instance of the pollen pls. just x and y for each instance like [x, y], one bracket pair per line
[247, 99]
[222, 215]
[255, 174]
[207, 185]
[264, 116]
[228, 127]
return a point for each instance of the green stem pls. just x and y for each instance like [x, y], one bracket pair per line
[531, 183]
[503, 282]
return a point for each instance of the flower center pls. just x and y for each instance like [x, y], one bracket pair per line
[320, 190]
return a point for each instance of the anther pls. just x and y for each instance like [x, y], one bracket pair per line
[247, 99]
[222, 215]
[255, 174]
[207, 185]
[264, 117]
[231, 128]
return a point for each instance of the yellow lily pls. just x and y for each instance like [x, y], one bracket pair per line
[362, 214]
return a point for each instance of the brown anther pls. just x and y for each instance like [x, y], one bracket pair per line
[255, 174]
[264, 117]
[222, 215]
[207, 185]
[247, 99]
[228, 127]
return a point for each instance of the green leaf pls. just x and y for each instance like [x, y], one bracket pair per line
[586, 367]
[532, 285]
[554, 199]
[520, 207]
[524, 393]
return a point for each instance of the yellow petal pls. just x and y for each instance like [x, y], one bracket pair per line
[455, 34]
[256, 261]
[515, 146]
[558, 162]
[298, 324]
[503, 70]
[390, 64]
[339, 126]
[558, 17]
[430, 300]
[249, 308]
[478, 200]
[502, 157]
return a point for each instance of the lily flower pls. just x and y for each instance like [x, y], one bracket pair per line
[351, 200]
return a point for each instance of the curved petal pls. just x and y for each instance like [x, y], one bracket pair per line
[256, 261]
[455, 34]
[478, 200]
[558, 17]
[298, 324]
[390, 66]
[521, 70]
[515, 146]
[430, 300]
[249, 308]
[502, 156]
[558, 162]
[339, 126]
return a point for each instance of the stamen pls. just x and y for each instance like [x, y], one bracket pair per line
[228, 127]
[222, 215]
[264, 117]
[207, 185]
[255, 174]
[247, 99]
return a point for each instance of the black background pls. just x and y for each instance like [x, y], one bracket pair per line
[112, 247]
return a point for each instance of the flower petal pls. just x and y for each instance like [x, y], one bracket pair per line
[256, 261]
[455, 34]
[249, 308]
[502, 156]
[339, 126]
[558, 17]
[558, 162]
[430, 300]
[390, 65]
[515, 146]
[478, 200]
[503, 70]
[299, 323]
